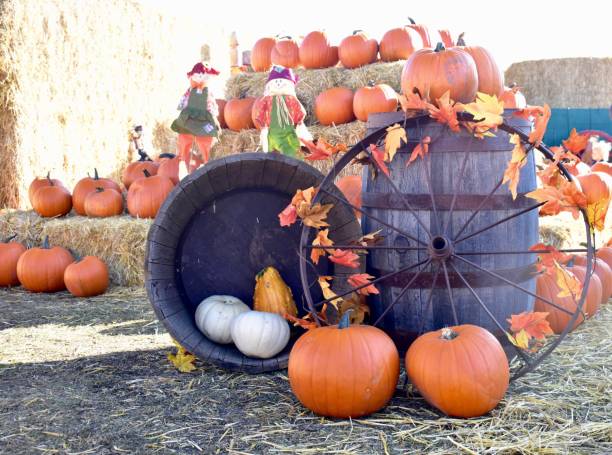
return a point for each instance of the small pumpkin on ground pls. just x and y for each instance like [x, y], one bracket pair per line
[87, 277]
[39, 183]
[134, 171]
[42, 269]
[357, 50]
[345, 370]
[104, 202]
[147, 195]
[547, 288]
[374, 98]
[52, 200]
[272, 294]
[215, 314]
[260, 334]
[334, 106]
[10, 252]
[88, 185]
[462, 370]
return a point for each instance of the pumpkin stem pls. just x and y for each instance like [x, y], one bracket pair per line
[167, 155]
[439, 47]
[345, 322]
[460, 41]
[448, 334]
[45, 244]
[8, 239]
[96, 176]
[261, 272]
[49, 179]
[146, 173]
[99, 189]
[357, 31]
[371, 83]
[143, 155]
[412, 22]
[283, 37]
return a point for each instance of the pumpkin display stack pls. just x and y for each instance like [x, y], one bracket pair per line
[134, 171]
[52, 200]
[38, 183]
[88, 185]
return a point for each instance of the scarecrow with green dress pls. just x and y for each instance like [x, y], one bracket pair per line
[281, 115]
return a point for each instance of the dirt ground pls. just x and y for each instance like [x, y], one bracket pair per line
[91, 377]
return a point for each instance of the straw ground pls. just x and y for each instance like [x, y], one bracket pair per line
[91, 376]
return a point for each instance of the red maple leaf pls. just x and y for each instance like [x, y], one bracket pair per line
[412, 100]
[532, 322]
[547, 260]
[445, 112]
[576, 143]
[361, 279]
[318, 151]
[379, 157]
[421, 150]
[346, 258]
[288, 216]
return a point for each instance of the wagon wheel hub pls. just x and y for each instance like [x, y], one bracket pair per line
[440, 248]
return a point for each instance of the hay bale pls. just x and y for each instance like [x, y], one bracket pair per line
[313, 82]
[565, 82]
[76, 75]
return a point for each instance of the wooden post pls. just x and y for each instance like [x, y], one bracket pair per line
[233, 44]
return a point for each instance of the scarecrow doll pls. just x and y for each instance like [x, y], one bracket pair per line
[197, 121]
[280, 114]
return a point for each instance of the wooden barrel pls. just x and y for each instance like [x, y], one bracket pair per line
[216, 231]
[484, 167]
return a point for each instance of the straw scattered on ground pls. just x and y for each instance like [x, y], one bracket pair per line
[91, 376]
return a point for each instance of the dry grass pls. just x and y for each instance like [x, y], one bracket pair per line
[91, 376]
[564, 82]
[76, 75]
[313, 82]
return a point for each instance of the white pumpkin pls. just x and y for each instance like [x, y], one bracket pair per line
[260, 334]
[215, 314]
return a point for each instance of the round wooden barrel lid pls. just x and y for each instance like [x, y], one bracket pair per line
[216, 231]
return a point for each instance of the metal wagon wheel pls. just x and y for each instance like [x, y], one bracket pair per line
[440, 247]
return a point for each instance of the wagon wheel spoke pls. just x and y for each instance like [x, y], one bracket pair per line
[483, 253]
[375, 218]
[514, 285]
[381, 278]
[486, 309]
[450, 293]
[402, 195]
[367, 247]
[401, 293]
[431, 196]
[430, 300]
[449, 220]
[497, 223]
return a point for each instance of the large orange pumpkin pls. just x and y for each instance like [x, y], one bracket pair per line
[169, 167]
[41, 182]
[238, 113]
[316, 51]
[88, 185]
[603, 167]
[605, 253]
[463, 370]
[422, 30]
[490, 77]
[513, 98]
[10, 252]
[350, 185]
[374, 98]
[357, 50]
[221, 117]
[399, 44]
[344, 371]
[42, 269]
[146, 195]
[87, 277]
[547, 288]
[104, 202]
[594, 293]
[52, 200]
[603, 271]
[333, 56]
[436, 71]
[286, 53]
[334, 106]
[261, 54]
[134, 171]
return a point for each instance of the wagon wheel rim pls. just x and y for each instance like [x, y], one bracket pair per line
[442, 244]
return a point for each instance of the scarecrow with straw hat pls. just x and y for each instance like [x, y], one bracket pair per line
[197, 121]
[280, 114]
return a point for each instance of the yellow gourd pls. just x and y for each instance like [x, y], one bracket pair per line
[272, 294]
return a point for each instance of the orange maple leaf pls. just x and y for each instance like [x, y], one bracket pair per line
[393, 140]
[328, 294]
[540, 122]
[322, 240]
[355, 302]
[346, 258]
[517, 161]
[573, 198]
[314, 215]
[306, 324]
[446, 112]
[288, 216]
[569, 284]
[318, 152]
[576, 143]
[421, 149]
[303, 196]
[379, 157]
[412, 100]
[487, 111]
[596, 213]
[533, 322]
[362, 279]
[546, 261]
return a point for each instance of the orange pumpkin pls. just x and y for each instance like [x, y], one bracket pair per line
[436, 71]
[238, 113]
[463, 370]
[350, 185]
[594, 293]
[255, 110]
[87, 277]
[147, 195]
[169, 167]
[374, 98]
[344, 371]
[10, 252]
[52, 200]
[603, 167]
[286, 53]
[221, 117]
[104, 202]
[422, 30]
[316, 51]
[39, 183]
[605, 253]
[399, 44]
[333, 57]
[357, 50]
[88, 185]
[513, 98]
[261, 54]
[490, 77]
[42, 269]
[134, 171]
[603, 271]
[547, 288]
[334, 106]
